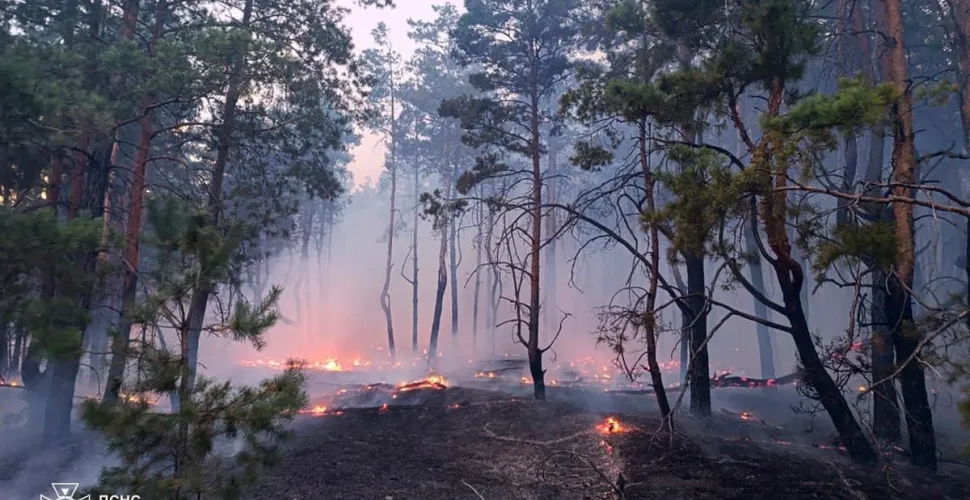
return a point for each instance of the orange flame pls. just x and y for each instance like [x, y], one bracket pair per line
[611, 426]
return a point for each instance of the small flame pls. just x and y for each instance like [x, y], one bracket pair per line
[863, 388]
[746, 416]
[383, 408]
[611, 426]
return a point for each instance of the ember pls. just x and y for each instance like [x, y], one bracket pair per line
[436, 382]
[747, 416]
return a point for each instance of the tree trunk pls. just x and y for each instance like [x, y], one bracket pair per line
[414, 261]
[791, 277]
[907, 338]
[886, 423]
[535, 243]
[699, 374]
[828, 392]
[192, 330]
[476, 296]
[684, 325]
[766, 352]
[439, 296]
[453, 264]
[386, 291]
[961, 13]
[551, 311]
[120, 342]
[650, 315]
[494, 280]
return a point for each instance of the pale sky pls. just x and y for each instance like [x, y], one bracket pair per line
[369, 156]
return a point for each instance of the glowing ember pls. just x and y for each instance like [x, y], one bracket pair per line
[747, 416]
[433, 382]
[610, 426]
[485, 375]
[862, 388]
[383, 408]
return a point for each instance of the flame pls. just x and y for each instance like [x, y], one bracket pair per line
[747, 416]
[383, 408]
[432, 382]
[863, 388]
[611, 426]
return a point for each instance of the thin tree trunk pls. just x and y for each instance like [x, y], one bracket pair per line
[386, 291]
[551, 311]
[192, 331]
[907, 338]
[453, 264]
[684, 325]
[479, 241]
[532, 345]
[766, 352]
[439, 296]
[414, 261]
[650, 319]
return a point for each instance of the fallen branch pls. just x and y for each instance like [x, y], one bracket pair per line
[479, 495]
[489, 433]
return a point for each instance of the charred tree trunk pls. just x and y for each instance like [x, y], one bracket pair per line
[791, 277]
[907, 338]
[439, 296]
[535, 243]
[699, 374]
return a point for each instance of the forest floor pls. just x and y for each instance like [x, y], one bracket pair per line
[461, 443]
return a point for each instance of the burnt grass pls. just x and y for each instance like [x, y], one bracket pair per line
[461, 443]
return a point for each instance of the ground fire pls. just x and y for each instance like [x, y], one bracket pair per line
[611, 426]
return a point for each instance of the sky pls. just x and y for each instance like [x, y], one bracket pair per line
[369, 156]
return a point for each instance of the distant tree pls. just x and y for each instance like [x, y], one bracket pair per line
[522, 51]
[386, 64]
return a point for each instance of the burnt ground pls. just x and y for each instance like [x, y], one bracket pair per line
[461, 443]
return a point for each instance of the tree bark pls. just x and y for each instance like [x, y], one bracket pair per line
[120, 342]
[192, 330]
[907, 338]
